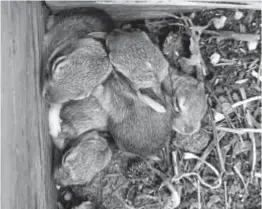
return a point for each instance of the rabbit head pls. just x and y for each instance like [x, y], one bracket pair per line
[82, 162]
[73, 24]
[135, 56]
[75, 69]
[189, 104]
[79, 116]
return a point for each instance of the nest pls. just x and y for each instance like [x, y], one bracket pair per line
[218, 167]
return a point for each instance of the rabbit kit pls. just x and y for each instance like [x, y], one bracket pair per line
[117, 99]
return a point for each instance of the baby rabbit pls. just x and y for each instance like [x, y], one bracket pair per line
[135, 126]
[76, 69]
[73, 24]
[75, 62]
[79, 116]
[135, 56]
[81, 163]
[189, 102]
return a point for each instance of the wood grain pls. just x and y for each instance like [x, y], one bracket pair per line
[25, 144]
[141, 9]
[120, 12]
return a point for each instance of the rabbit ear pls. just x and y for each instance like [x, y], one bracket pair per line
[98, 91]
[152, 103]
[101, 35]
[102, 96]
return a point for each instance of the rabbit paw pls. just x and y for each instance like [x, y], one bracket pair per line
[54, 120]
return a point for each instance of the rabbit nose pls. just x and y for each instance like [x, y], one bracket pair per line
[47, 96]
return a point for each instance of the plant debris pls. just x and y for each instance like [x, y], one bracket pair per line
[218, 167]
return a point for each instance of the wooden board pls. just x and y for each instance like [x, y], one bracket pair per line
[25, 144]
[140, 9]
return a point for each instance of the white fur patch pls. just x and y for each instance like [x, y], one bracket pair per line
[152, 103]
[54, 120]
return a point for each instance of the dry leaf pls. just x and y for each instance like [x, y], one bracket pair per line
[252, 45]
[238, 15]
[219, 22]
[214, 58]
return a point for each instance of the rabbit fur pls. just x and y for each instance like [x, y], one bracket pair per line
[188, 99]
[82, 162]
[135, 56]
[74, 61]
[134, 126]
[75, 74]
[73, 24]
[79, 116]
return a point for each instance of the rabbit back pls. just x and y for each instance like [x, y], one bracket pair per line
[143, 131]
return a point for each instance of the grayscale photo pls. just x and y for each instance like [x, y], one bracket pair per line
[131, 104]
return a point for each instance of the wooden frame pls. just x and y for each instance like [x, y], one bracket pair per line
[140, 9]
[25, 144]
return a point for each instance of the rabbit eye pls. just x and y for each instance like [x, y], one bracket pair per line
[57, 62]
[176, 105]
[65, 156]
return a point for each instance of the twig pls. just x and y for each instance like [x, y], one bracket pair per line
[228, 120]
[200, 179]
[251, 135]
[174, 157]
[175, 197]
[240, 131]
[220, 157]
[237, 170]
[193, 156]
[237, 104]
[224, 64]
[207, 151]
[233, 35]
[225, 189]
[199, 194]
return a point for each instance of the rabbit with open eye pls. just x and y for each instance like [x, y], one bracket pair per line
[135, 56]
[79, 116]
[135, 126]
[82, 162]
[189, 102]
[73, 24]
[76, 69]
